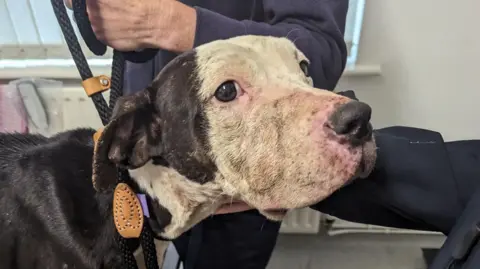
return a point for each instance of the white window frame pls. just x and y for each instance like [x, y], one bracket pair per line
[54, 60]
[353, 29]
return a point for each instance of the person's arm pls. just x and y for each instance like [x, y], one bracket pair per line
[316, 27]
[420, 182]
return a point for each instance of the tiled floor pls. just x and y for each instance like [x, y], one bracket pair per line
[352, 251]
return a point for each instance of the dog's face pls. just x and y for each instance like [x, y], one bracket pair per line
[237, 119]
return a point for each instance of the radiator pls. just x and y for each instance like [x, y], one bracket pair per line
[301, 221]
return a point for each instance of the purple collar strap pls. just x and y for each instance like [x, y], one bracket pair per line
[143, 202]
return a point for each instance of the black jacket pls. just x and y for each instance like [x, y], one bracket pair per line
[462, 249]
[316, 27]
[419, 182]
[423, 183]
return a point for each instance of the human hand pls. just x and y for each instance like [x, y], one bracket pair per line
[233, 207]
[128, 25]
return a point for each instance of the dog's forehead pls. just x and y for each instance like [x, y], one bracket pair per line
[250, 59]
[266, 49]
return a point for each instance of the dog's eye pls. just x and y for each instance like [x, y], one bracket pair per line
[227, 92]
[304, 66]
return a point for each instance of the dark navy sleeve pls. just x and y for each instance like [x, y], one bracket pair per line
[316, 26]
[419, 182]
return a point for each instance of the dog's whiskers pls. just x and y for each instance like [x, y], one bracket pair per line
[263, 224]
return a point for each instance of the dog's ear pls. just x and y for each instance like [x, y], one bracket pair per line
[136, 130]
[348, 93]
[129, 140]
[166, 121]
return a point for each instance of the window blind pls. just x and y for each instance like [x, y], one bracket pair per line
[30, 32]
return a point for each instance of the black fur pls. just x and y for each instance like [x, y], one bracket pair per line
[184, 137]
[160, 217]
[165, 122]
[52, 217]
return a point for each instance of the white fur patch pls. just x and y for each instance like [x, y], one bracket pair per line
[187, 201]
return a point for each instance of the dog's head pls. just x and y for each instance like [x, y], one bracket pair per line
[237, 119]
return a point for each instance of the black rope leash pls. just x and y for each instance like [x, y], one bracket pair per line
[105, 110]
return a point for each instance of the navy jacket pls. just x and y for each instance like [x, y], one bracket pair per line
[316, 26]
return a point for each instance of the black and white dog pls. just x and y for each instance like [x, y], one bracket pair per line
[232, 119]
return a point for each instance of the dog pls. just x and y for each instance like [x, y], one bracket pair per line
[234, 119]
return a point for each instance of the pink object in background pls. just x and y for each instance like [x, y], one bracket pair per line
[13, 116]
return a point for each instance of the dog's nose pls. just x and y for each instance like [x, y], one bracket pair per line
[352, 120]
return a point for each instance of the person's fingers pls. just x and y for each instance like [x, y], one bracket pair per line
[68, 3]
[232, 208]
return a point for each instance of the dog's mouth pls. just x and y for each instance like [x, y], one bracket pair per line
[366, 157]
[367, 161]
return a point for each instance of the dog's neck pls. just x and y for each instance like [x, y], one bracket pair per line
[186, 201]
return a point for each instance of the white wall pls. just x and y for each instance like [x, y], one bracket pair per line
[430, 56]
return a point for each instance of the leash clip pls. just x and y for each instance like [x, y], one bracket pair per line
[96, 85]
